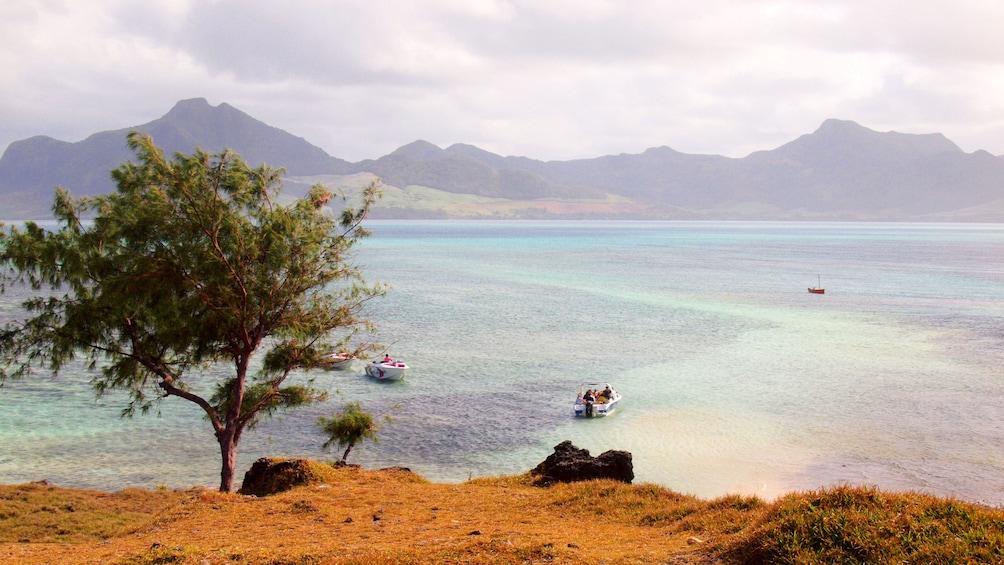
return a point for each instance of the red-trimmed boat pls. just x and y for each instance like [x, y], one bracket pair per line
[386, 370]
[818, 289]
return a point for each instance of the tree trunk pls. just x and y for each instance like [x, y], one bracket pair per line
[228, 450]
[231, 433]
[346, 454]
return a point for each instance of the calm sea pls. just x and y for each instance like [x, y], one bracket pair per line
[735, 378]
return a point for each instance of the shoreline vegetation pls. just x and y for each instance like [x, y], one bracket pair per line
[347, 515]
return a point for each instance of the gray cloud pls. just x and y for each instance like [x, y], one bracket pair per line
[551, 79]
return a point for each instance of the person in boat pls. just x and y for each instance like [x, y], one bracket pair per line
[578, 399]
[588, 398]
[387, 359]
[608, 392]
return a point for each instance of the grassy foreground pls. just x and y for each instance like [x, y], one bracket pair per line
[353, 516]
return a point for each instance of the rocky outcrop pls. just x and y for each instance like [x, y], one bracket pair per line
[269, 476]
[570, 464]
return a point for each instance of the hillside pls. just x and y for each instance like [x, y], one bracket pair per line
[353, 516]
[841, 171]
[31, 168]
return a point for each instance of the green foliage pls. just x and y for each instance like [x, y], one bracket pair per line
[189, 264]
[349, 427]
[263, 399]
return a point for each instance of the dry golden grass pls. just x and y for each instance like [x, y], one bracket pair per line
[354, 516]
[42, 514]
[378, 517]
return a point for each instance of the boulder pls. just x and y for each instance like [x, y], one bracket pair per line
[570, 464]
[271, 475]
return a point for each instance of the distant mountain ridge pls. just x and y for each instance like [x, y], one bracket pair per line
[841, 171]
[31, 168]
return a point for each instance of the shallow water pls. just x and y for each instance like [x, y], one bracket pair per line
[735, 379]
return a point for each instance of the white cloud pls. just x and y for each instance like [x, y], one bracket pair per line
[551, 79]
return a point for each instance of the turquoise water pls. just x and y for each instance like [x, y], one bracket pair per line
[735, 379]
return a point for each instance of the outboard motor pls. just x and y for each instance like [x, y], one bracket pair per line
[589, 410]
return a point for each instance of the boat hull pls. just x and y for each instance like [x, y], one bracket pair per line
[386, 371]
[818, 289]
[597, 410]
[337, 361]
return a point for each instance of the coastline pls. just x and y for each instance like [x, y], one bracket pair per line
[356, 516]
[889, 379]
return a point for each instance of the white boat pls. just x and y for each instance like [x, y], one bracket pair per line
[337, 361]
[603, 403]
[386, 370]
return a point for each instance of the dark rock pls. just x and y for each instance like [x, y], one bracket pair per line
[269, 476]
[343, 465]
[570, 464]
[398, 469]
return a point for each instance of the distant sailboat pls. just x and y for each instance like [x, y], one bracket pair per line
[818, 289]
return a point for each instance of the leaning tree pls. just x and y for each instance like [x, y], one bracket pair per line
[349, 427]
[190, 265]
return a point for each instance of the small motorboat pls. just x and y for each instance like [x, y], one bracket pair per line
[386, 370]
[818, 289]
[337, 361]
[604, 400]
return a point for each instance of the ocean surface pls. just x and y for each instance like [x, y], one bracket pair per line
[735, 379]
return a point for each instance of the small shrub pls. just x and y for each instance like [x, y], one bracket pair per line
[865, 525]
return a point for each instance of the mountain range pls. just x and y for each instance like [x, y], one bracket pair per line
[841, 171]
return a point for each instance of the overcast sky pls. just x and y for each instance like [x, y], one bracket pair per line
[547, 79]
